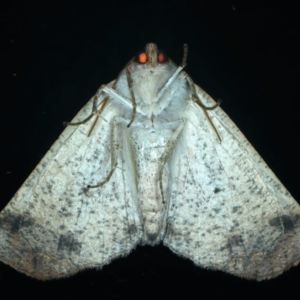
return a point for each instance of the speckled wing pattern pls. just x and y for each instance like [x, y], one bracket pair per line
[228, 211]
[50, 237]
[208, 198]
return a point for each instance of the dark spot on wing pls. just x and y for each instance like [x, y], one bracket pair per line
[67, 243]
[85, 191]
[286, 221]
[235, 240]
[259, 243]
[13, 223]
[26, 222]
[217, 190]
[234, 245]
[236, 209]
[132, 229]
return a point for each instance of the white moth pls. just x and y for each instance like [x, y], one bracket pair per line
[151, 158]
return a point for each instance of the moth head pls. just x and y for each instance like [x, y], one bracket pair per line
[151, 56]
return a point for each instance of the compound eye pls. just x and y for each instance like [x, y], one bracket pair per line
[161, 57]
[141, 58]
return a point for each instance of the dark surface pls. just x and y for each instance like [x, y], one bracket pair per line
[55, 56]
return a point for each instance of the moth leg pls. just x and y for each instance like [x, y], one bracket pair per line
[130, 85]
[169, 82]
[168, 152]
[115, 147]
[196, 98]
[94, 109]
[114, 94]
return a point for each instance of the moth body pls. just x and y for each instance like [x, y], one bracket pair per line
[152, 128]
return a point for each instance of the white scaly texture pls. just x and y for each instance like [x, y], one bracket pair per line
[215, 202]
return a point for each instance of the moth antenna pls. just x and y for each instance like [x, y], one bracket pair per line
[94, 109]
[212, 124]
[196, 98]
[80, 122]
[185, 53]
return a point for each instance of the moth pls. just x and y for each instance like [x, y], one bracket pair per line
[150, 159]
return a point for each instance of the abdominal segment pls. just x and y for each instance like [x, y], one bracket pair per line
[150, 195]
[151, 201]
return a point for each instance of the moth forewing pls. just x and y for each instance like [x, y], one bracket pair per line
[245, 222]
[148, 161]
[51, 228]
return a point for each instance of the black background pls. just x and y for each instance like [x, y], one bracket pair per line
[55, 55]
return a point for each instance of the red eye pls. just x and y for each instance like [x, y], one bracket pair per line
[161, 57]
[142, 58]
